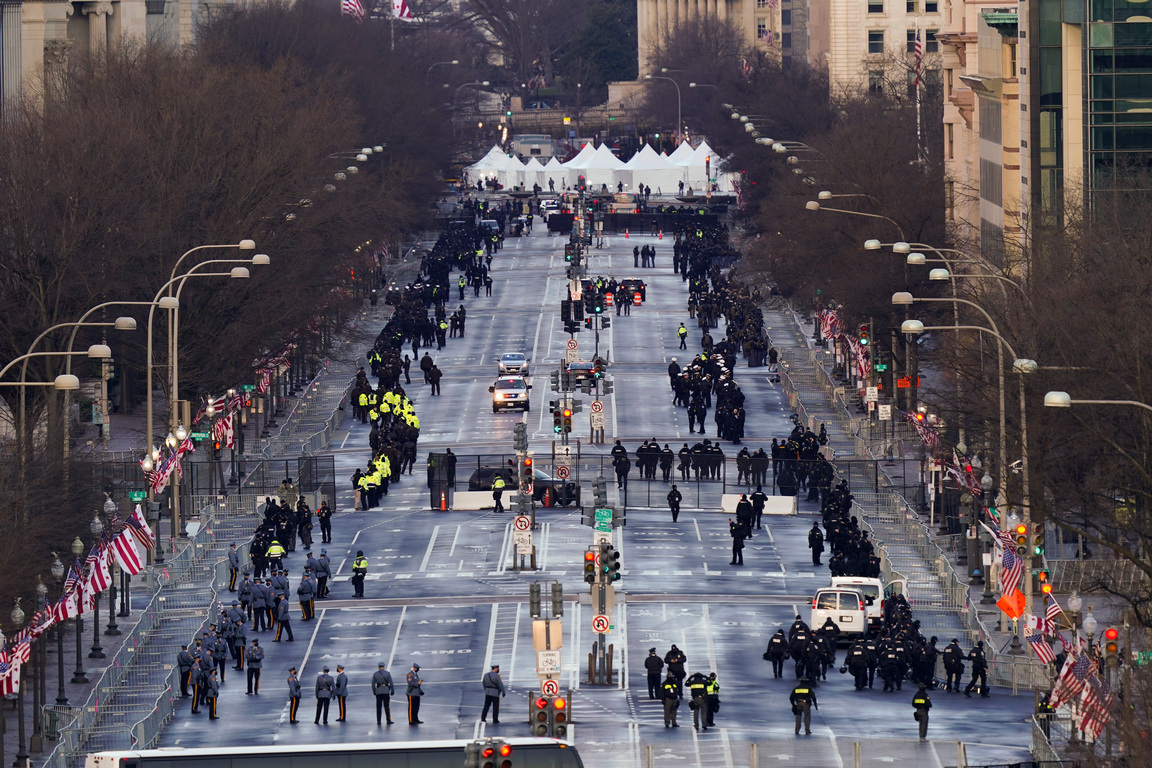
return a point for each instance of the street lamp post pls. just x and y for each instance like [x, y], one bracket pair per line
[17, 617]
[78, 676]
[813, 205]
[97, 650]
[113, 628]
[679, 114]
[36, 743]
[57, 571]
[1063, 400]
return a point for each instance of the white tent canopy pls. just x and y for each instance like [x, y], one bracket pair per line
[534, 174]
[488, 166]
[512, 173]
[555, 171]
[682, 153]
[597, 169]
[653, 170]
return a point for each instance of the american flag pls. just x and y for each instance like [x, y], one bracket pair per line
[1012, 568]
[918, 55]
[745, 68]
[352, 8]
[1071, 681]
[139, 527]
[1095, 707]
[1041, 647]
[1051, 615]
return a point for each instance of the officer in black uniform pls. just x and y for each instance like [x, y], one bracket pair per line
[953, 665]
[325, 685]
[383, 689]
[655, 666]
[777, 652]
[697, 687]
[293, 696]
[674, 499]
[921, 703]
[673, 693]
[979, 671]
[803, 700]
[816, 543]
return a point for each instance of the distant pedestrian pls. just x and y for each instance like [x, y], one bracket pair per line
[803, 700]
[233, 567]
[493, 690]
[672, 693]
[655, 667]
[255, 663]
[674, 499]
[212, 694]
[341, 692]
[816, 542]
[737, 532]
[359, 571]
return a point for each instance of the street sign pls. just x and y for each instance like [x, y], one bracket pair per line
[523, 542]
[248, 387]
[572, 355]
[550, 688]
[596, 420]
[522, 523]
[603, 520]
[601, 537]
[198, 435]
[562, 472]
[548, 662]
[597, 406]
[872, 394]
[573, 344]
[136, 495]
[885, 412]
[600, 623]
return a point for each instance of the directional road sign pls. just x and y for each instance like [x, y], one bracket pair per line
[601, 537]
[523, 542]
[603, 520]
[600, 623]
[550, 688]
[597, 406]
[137, 495]
[248, 387]
[548, 662]
[572, 355]
[522, 523]
[562, 472]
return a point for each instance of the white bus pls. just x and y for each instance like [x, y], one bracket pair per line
[517, 753]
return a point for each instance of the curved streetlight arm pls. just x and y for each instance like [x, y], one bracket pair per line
[247, 245]
[679, 112]
[819, 207]
[1070, 401]
[28, 355]
[973, 328]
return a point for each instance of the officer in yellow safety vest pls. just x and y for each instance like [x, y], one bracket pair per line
[359, 571]
[366, 486]
[274, 553]
[497, 493]
[362, 402]
[682, 332]
[921, 703]
[712, 694]
[460, 284]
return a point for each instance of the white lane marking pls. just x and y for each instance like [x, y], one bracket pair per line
[312, 640]
[505, 545]
[546, 537]
[428, 552]
[696, 525]
[455, 538]
[396, 639]
[515, 640]
[707, 622]
[345, 440]
[491, 636]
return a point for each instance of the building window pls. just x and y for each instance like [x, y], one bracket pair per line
[875, 42]
[786, 18]
[875, 6]
[930, 6]
[786, 40]
[949, 139]
[910, 6]
[761, 28]
[991, 182]
[763, 3]
[876, 81]
[931, 44]
[911, 41]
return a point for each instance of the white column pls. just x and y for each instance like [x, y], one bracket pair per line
[97, 14]
[12, 55]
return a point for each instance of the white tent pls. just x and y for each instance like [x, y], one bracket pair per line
[512, 173]
[682, 154]
[555, 171]
[487, 166]
[597, 170]
[653, 170]
[534, 174]
[695, 175]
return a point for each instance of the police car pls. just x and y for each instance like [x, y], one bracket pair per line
[510, 392]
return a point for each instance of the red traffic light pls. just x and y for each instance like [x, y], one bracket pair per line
[1111, 633]
[1022, 529]
[528, 463]
[567, 413]
[541, 703]
[505, 750]
[560, 703]
[589, 557]
[488, 752]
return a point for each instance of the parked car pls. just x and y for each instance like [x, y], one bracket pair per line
[510, 392]
[545, 489]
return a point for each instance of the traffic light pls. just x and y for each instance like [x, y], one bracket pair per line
[534, 600]
[590, 567]
[557, 422]
[566, 310]
[1021, 539]
[605, 322]
[495, 754]
[600, 303]
[608, 386]
[567, 419]
[557, 599]
[577, 310]
[1112, 646]
[864, 335]
[610, 562]
[1036, 549]
[520, 436]
[538, 719]
[588, 323]
[1043, 581]
[599, 493]
[526, 476]
[598, 369]
[581, 184]
[216, 446]
[558, 717]
[554, 378]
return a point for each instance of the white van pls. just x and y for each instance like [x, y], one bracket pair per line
[875, 594]
[845, 606]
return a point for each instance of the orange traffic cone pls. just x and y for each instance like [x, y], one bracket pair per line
[443, 501]
[625, 234]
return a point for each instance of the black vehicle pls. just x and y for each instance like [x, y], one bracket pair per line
[633, 286]
[558, 492]
[587, 370]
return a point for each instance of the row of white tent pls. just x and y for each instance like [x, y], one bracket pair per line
[600, 168]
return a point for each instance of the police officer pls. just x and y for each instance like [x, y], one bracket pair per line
[324, 516]
[816, 543]
[953, 665]
[682, 332]
[341, 692]
[497, 493]
[261, 595]
[737, 531]
[655, 666]
[921, 703]
[359, 571]
[212, 693]
[674, 499]
[185, 664]
[415, 691]
[293, 695]
[239, 641]
[307, 593]
[493, 690]
[979, 671]
[284, 622]
[803, 700]
[382, 689]
[246, 596]
[857, 662]
[323, 573]
[777, 652]
[673, 693]
[255, 663]
[233, 567]
[325, 685]
[698, 689]
[274, 553]
[758, 499]
[712, 696]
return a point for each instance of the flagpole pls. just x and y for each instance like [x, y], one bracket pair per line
[919, 137]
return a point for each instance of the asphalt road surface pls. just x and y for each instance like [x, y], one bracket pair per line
[442, 590]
